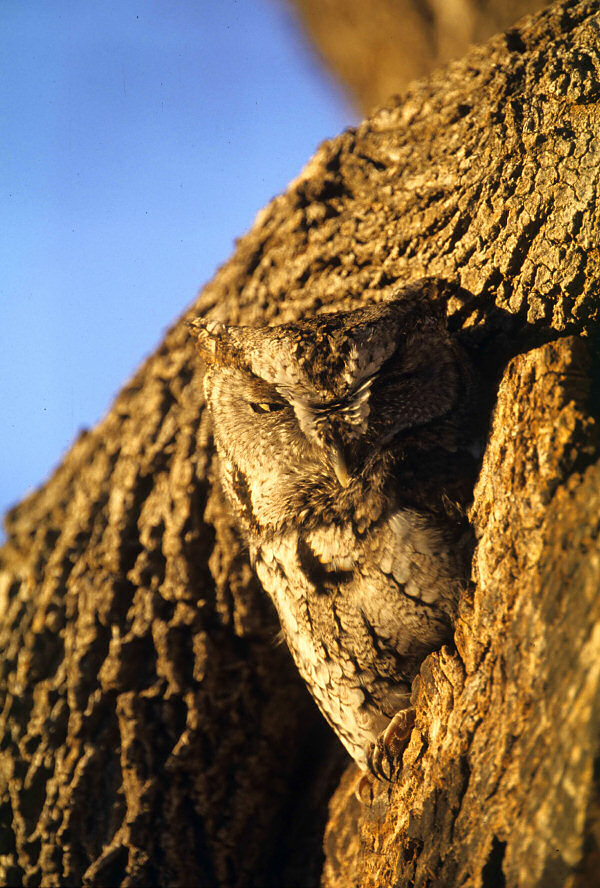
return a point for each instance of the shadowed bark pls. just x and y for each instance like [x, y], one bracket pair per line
[377, 47]
[152, 730]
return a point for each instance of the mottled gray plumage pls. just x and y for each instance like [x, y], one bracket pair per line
[342, 450]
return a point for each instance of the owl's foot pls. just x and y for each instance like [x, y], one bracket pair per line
[390, 744]
[367, 789]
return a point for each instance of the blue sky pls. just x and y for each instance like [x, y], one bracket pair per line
[139, 138]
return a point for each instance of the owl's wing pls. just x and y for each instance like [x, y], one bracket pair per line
[406, 589]
[421, 558]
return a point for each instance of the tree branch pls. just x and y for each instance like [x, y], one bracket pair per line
[377, 48]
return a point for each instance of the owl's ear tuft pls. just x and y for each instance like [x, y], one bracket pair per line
[425, 298]
[206, 335]
[214, 342]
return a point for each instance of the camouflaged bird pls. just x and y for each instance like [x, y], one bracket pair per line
[343, 449]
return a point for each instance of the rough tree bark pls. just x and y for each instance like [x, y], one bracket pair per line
[377, 48]
[152, 732]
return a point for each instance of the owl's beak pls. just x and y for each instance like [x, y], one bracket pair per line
[339, 465]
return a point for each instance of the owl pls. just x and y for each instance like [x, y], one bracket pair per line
[344, 451]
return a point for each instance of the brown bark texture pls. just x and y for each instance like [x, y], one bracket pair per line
[377, 47]
[152, 731]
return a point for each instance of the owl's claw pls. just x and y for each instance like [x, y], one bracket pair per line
[390, 744]
[364, 789]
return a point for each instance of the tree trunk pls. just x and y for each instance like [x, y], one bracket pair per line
[153, 732]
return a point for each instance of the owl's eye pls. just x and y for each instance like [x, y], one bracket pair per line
[265, 407]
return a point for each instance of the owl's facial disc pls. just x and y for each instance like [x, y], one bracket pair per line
[334, 425]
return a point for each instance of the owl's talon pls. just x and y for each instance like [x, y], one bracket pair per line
[364, 790]
[391, 743]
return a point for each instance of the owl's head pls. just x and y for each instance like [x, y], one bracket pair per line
[311, 415]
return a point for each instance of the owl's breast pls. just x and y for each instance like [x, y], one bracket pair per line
[319, 647]
[360, 614]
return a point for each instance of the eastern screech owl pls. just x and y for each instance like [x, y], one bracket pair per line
[342, 449]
